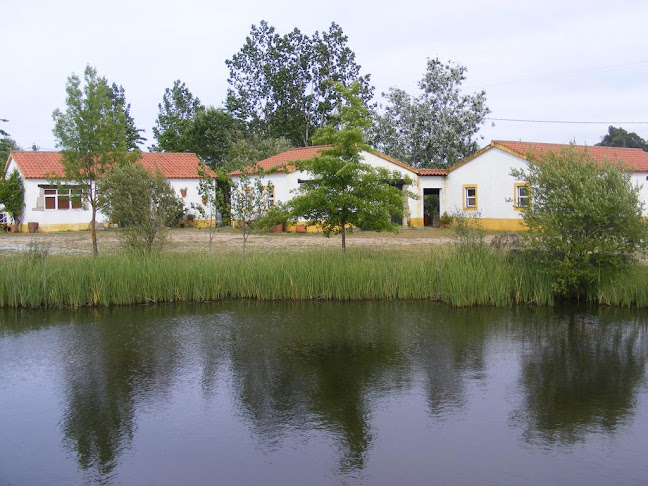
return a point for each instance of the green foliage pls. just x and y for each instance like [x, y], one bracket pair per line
[214, 187]
[6, 146]
[177, 112]
[283, 86]
[134, 135]
[438, 127]
[143, 204]
[93, 135]
[12, 195]
[210, 135]
[585, 218]
[253, 148]
[248, 204]
[279, 214]
[341, 190]
[618, 137]
[469, 229]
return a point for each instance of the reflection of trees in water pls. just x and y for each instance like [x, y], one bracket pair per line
[449, 349]
[113, 360]
[580, 375]
[312, 365]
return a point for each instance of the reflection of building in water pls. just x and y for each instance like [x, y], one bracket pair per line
[580, 376]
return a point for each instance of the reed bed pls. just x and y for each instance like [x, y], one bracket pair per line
[457, 276]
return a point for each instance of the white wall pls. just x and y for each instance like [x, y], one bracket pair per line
[490, 172]
[641, 179]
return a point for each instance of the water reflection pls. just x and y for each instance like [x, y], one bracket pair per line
[317, 365]
[322, 371]
[580, 375]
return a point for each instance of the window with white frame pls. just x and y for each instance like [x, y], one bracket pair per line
[522, 195]
[62, 198]
[470, 197]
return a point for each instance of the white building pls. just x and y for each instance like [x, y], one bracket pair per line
[481, 184]
[59, 207]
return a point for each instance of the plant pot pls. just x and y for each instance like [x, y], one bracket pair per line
[277, 228]
[300, 228]
[32, 227]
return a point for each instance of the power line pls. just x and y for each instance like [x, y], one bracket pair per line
[570, 122]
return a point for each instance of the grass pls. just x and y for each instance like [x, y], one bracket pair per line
[457, 276]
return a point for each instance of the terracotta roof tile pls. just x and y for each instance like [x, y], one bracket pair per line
[433, 172]
[636, 159]
[41, 164]
[281, 162]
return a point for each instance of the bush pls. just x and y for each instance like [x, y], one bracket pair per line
[142, 203]
[585, 218]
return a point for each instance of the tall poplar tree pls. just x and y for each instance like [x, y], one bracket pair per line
[92, 134]
[284, 85]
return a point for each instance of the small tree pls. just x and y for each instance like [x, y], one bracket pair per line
[12, 196]
[93, 135]
[142, 203]
[342, 191]
[585, 217]
[214, 188]
[248, 204]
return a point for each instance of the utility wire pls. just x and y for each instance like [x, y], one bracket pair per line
[569, 122]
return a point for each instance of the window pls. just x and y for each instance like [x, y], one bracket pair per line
[270, 196]
[62, 198]
[521, 195]
[470, 197]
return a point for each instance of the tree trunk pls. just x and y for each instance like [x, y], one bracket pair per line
[93, 231]
[343, 238]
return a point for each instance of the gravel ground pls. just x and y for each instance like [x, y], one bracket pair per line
[195, 240]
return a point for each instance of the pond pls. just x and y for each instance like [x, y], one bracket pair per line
[323, 393]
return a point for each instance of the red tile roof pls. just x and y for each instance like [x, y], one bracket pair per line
[636, 159]
[42, 165]
[433, 172]
[281, 162]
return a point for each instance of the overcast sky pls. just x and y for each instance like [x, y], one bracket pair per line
[536, 60]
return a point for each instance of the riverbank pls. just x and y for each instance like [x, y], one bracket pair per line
[454, 275]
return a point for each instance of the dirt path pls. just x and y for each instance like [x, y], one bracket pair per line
[194, 240]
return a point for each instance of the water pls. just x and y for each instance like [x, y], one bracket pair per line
[323, 393]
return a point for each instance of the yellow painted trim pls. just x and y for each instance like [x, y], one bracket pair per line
[516, 204]
[501, 224]
[50, 228]
[470, 157]
[463, 194]
[417, 222]
[394, 161]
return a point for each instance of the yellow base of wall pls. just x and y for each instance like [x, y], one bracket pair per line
[495, 224]
[51, 228]
[416, 222]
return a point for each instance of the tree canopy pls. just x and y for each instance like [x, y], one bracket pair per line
[142, 203]
[585, 217]
[435, 128]
[92, 134]
[283, 85]
[134, 135]
[341, 190]
[618, 137]
[12, 192]
[176, 113]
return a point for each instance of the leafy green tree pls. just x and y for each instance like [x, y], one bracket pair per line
[12, 196]
[283, 86]
[178, 110]
[438, 127]
[618, 137]
[246, 151]
[7, 144]
[142, 203]
[134, 135]
[585, 218]
[215, 189]
[92, 134]
[341, 190]
[248, 203]
[210, 136]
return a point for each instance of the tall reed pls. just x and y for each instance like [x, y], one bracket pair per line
[459, 277]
